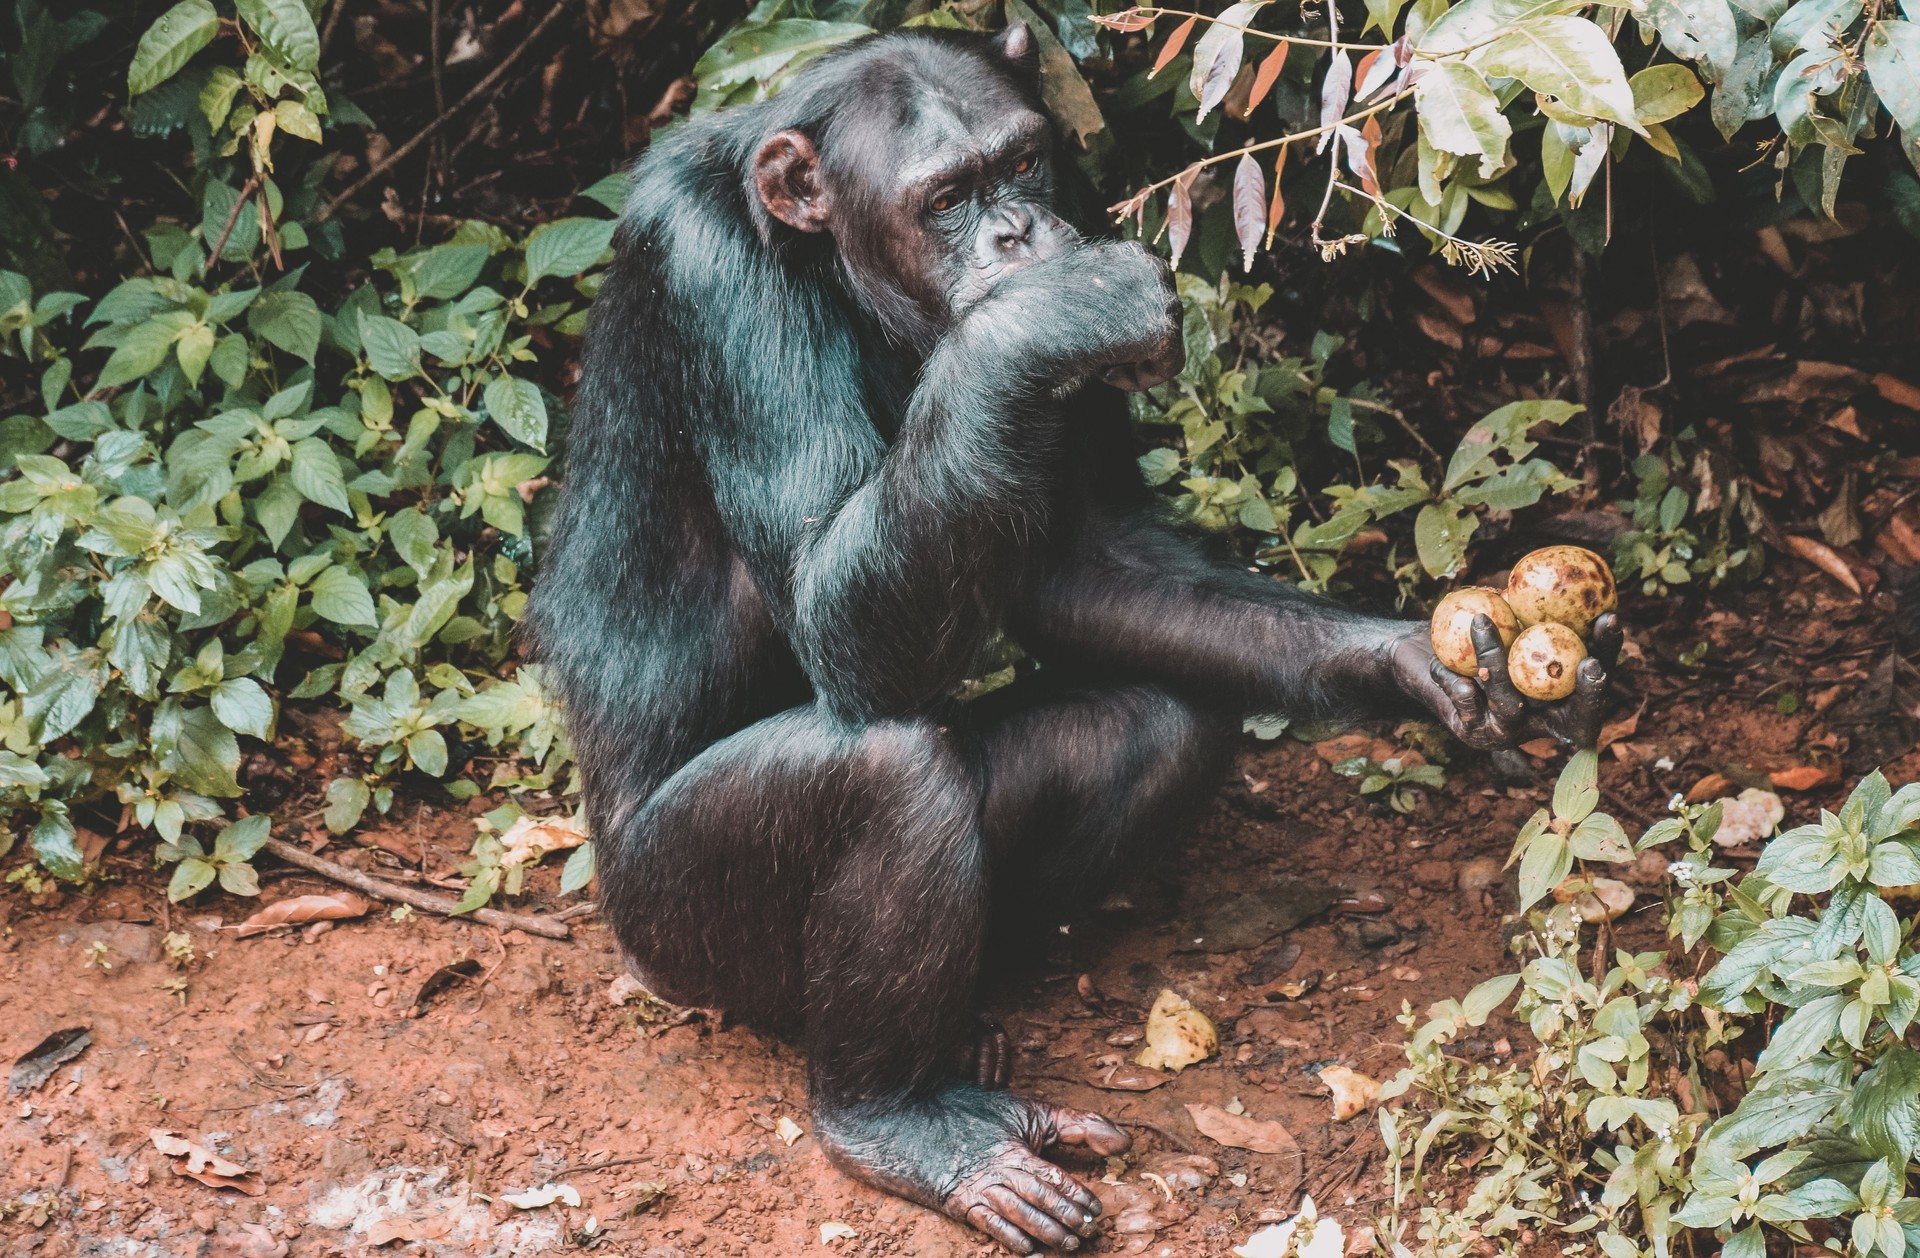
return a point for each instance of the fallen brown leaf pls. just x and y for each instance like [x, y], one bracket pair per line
[1127, 1077]
[1540, 748]
[1897, 391]
[1242, 1131]
[1825, 558]
[1806, 777]
[299, 910]
[1355, 746]
[1452, 298]
[1712, 786]
[196, 1162]
[530, 838]
[1626, 727]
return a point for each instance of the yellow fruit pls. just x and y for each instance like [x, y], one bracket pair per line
[1566, 585]
[1452, 627]
[1543, 660]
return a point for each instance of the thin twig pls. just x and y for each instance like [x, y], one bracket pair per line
[333, 20]
[381, 889]
[474, 93]
[233, 216]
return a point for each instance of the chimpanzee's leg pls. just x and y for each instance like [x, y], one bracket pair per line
[1085, 781]
[803, 868]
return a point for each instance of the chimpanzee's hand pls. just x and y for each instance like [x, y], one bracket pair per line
[1487, 712]
[1105, 308]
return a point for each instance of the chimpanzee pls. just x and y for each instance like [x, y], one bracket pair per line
[847, 412]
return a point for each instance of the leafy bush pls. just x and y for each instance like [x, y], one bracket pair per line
[252, 478]
[1608, 1135]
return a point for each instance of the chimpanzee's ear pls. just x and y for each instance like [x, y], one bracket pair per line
[1015, 42]
[786, 172]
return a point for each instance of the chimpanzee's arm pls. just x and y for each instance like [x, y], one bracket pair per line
[895, 562]
[1126, 592]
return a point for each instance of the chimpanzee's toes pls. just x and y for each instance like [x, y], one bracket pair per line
[992, 1054]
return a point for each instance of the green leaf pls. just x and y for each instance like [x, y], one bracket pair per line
[1569, 58]
[1664, 91]
[239, 878]
[287, 319]
[1460, 114]
[315, 472]
[1745, 93]
[414, 534]
[142, 349]
[190, 877]
[200, 751]
[1696, 30]
[567, 246]
[392, 348]
[1885, 1108]
[170, 43]
[55, 842]
[446, 271]
[517, 407]
[1803, 1034]
[428, 750]
[243, 706]
[753, 55]
[610, 191]
[241, 840]
[1600, 838]
[347, 800]
[286, 27]
[341, 596]
[1893, 65]
[1577, 793]
[1440, 535]
[578, 871]
[1548, 861]
[1479, 1003]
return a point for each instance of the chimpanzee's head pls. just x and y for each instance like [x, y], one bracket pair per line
[925, 155]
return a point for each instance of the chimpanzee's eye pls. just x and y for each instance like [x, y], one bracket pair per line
[1024, 165]
[945, 201]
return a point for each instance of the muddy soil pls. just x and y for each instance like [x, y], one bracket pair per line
[298, 1054]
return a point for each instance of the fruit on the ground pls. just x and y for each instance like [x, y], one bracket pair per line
[1563, 585]
[1543, 659]
[1452, 627]
[1595, 899]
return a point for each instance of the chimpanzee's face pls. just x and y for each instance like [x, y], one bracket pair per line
[933, 193]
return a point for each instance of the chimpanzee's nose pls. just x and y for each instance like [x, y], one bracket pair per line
[1013, 229]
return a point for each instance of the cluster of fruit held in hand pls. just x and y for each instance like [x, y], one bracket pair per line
[1542, 617]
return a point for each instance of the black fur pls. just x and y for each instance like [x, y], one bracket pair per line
[793, 518]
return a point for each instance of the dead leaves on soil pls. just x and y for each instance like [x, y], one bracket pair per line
[299, 910]
[35, 1066]
[1242, 1130]
[197, 1162]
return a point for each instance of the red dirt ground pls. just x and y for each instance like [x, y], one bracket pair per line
[294, 1054]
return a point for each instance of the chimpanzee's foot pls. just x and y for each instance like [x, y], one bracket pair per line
[973, 1154]
[992, 1064]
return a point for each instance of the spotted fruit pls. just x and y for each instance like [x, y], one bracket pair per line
[1452, 627]
[1543, 660]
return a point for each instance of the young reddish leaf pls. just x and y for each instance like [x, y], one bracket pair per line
[1179, 216]
[1277, 208]
[1370, 73]
[1249, 207]
[1334, 93]
[1359, 157]
[1126, 20]
[1171, 49]
[1370, 178]
[1268, 74]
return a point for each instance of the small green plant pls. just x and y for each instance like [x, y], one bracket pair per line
[1396, 777]
[1608, 1136]
[1666, 547]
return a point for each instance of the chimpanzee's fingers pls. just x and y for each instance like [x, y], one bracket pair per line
[1586, 707]
[989, 1220]
[1076, 1217]
[1460, 692]
[1089, 1130]
[1605, 638]
[1502, 699]
[1029, 1218]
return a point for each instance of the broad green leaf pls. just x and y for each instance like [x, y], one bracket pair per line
[1803, 1034]
[286, 27]
[567, 246]
[1577, 792]
[1479, 1003]
[239, 878]
[610, 191]
[218, 203]
[578, 871]
[190, 877]
[289, 320]
[340, 596]
[1460, 114]
[1547, 863]
[55, 842]
[446, 271]
[753, 55]
[413, 534]
[315, 472]
[1664, 91]
[1473, 22]
[517, 407]
[1600, 838]
[1885, 1108]
[347, 799]
[200, 751]
[1893, 66]
[392, 348]
[1696, 30]
[170, 43]
[241, 840]
[428, 749]
[1440, 535]
[243, 706]
[1566, 57]
[144, 347]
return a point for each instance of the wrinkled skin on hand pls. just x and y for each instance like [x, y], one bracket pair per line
[1486, 711]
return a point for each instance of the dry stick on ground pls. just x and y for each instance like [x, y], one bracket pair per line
[474, 93]
[381, 889]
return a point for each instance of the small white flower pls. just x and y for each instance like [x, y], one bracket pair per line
[1678, 802]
